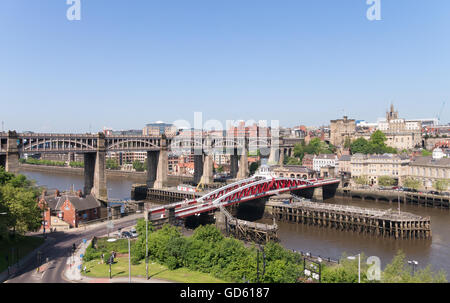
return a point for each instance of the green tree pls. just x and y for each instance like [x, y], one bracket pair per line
[360, 145]
[386, 181]
[412, 183]
[426, 153]
[398, 271]
[112, 164]
[138, 165]
[347, 142]
[441, 185]
[361, 180]
[18, 199]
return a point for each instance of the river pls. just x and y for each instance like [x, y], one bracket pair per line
[316, 240]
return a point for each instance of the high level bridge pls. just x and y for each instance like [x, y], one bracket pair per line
[95, 146]
[238, 192]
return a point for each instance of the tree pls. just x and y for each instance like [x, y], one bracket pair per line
[361, 180]
[18, 199]
[112, 164]
[138, 165]
[386, 181]
[398, 272]
[426, 153]
[412, 183]
[347, 142]
[375, 145]
[441, 185]
[360, 145]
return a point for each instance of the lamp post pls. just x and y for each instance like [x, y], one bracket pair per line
[146, 244]
[129, 261]
[359, 265]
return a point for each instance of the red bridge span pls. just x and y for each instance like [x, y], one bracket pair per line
[238, 192]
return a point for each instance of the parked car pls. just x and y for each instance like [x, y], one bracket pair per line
[126, 234]
[133, 233]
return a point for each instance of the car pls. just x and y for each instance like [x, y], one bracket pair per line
[133, 233]
[126, 234]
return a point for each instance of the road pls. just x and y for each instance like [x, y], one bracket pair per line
[60, 250]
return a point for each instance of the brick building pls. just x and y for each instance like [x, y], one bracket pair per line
[68, 209]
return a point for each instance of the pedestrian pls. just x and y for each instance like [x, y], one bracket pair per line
[103, 255]
[84, 269]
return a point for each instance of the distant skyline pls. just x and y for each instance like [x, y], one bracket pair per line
[124, 65]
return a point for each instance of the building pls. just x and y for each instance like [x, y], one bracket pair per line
[123, 158]
[68, 209]
[400, 133]
[308, 160]
[375, 166]
[344, 164]
[159, 128]
[292, 171]
[341, 129]
[323, 160]
[430, 169]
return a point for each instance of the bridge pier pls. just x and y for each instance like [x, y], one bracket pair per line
[234, 166]
[318, 194]
[89, 169]
[99, 190]
[12, 153]
[208, 170]
[281, 159]
[198, 166]
[274, 154]
[163, 166]
[152, 165]
[243, 172]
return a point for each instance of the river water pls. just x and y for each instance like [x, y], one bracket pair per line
[316, 240]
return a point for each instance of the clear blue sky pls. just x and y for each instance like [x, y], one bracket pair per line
[128, 63]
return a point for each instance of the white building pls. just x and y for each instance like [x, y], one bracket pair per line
[323, 160]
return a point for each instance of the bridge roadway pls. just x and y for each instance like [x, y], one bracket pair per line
[241, 191]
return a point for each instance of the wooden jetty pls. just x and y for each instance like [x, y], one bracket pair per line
[420, 199]
[170, 195]
[384, 223]
[249, 231]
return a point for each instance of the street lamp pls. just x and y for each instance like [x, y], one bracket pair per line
[129, 261]
[413, 263]
[359, 265]
[146, 244]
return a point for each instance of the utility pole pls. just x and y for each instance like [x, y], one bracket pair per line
[146, 244]
[129, 261]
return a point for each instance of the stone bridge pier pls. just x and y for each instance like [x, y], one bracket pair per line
[12, 153]
[158, 166]
[94, 171]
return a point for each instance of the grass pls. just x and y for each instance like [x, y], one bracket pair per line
[155, 270]
[24, 244]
